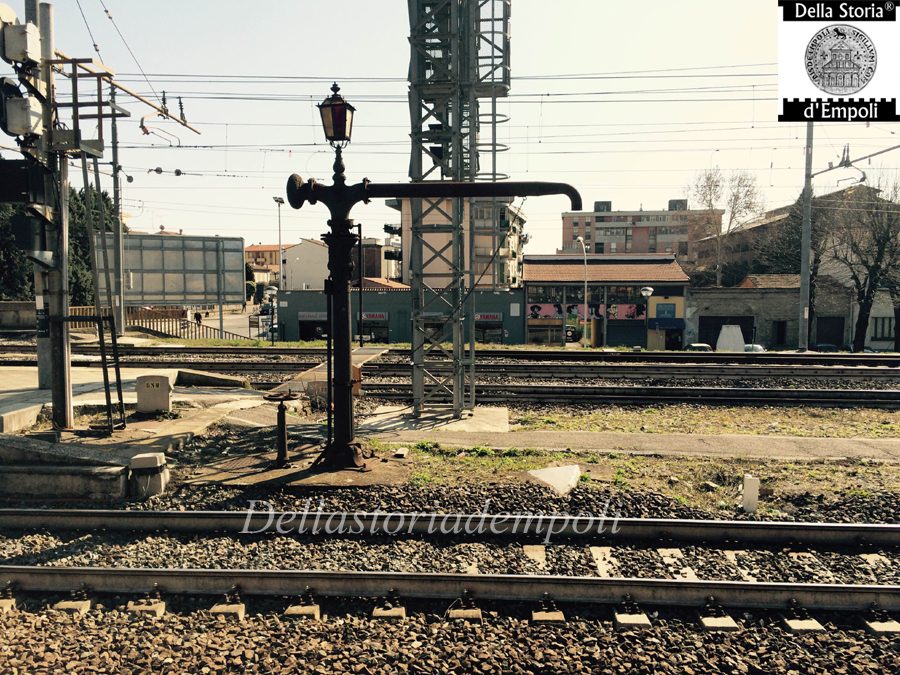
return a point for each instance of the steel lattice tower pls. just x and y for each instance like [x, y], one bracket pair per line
[459, 56]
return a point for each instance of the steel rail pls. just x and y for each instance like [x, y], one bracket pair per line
[578, 527]
[767, 358]
[518, 588]
[518, 370]
[724, 395]
[645, 370]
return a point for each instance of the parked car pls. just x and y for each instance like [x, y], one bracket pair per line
[698, 347]
[754, 348]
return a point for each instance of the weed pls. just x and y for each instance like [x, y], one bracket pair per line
[421, 478]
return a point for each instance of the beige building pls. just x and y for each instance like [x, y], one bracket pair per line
[498, 237]
[607, 232]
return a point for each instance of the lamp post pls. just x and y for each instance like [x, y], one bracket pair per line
[274, 315]
[584, 342]
[343, 450]
[647, 291]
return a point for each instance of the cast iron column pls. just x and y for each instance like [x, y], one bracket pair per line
[345, 451]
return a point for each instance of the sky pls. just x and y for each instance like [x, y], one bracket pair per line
[626, 101]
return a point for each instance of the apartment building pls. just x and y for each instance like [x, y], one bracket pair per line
[499, 239]
[607, 232]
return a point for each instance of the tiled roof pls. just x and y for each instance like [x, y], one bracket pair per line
[603, 269]
[770, 281]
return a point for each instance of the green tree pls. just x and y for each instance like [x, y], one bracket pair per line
[778, 252]
[16, 273]
[16, 277]
[81, 283]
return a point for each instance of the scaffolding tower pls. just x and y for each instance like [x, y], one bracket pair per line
[459, 59]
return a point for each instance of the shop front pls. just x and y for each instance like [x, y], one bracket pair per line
[374, 327]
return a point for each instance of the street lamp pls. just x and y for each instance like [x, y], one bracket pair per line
[344, 451]
[279, 201]
[647, 291]
[584, 342]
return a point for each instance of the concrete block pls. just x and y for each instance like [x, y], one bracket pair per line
[15, 420]
[802, 625]
[230, 610]
[73, 606]
[562, 479]
[149, 474]
[719, 623]
[310, 612]
[155, 608]
[7, 605]
[602, 556]
[548, 617]
[394, 613]
[48, 481]
[889, 627]
[465, 614]
[731, 339]
[536, 552]
[401, 453]
[154, 393]
[750, 498]
[626, 621]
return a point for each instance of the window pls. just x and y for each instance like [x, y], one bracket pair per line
[665, 310]
[884, 328]
[612, 247]
[598, 247]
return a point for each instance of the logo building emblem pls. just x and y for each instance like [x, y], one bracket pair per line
[840, 59]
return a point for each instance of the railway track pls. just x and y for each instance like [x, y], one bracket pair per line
[631, 529]
[604, 587]
[518, 370]
[505, 393]
[517, 588]
[532, 355]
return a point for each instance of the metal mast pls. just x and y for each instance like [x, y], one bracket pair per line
[456, 58]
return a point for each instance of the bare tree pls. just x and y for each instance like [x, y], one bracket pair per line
[893, 286]
[736, 194]
[866, 243]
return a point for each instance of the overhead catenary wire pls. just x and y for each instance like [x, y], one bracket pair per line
[90, 32]
[128, 47]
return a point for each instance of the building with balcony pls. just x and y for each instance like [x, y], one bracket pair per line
[607, 232]
[499, 241]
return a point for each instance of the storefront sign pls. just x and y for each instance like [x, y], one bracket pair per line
[375, 316]
[489, 316]
[312, 316]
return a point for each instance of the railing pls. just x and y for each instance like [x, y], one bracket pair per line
[175, 323]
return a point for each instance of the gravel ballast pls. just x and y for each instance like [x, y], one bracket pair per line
[111, 641]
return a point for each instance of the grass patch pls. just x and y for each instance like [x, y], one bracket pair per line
[700, 419]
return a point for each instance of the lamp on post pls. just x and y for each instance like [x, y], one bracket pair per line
[279, 201]
[647, 291]
[584, 342]
[343, 450]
